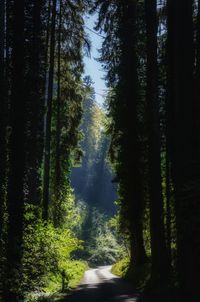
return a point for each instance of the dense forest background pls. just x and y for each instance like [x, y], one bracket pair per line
[94, 189]
[145, 143]
[93, 179]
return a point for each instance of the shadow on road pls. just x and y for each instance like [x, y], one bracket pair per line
[107, 291]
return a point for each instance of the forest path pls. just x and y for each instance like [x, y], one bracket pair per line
[100, 285]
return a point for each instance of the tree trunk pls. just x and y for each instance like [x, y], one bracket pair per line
[184, 133]
[197, 81]
[47, 46]
[57, 187]
[3, 122]
[138, 252]
[58, 124]
[35, 99]
[2, 116]
[17, 156]
[129, 173]
[47, 155]
[168, 205]
[160, 263]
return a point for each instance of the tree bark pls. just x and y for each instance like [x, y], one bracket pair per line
[47, 154]
[57, 186]
[160, 262]
[129, 172]
[58, 124]
[184, 133]
[17, 156]
[168, 205]
[35, 98]
[2, 116]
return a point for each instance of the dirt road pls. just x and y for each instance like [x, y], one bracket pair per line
[100, 285]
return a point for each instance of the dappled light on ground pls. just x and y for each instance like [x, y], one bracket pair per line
[100, 285]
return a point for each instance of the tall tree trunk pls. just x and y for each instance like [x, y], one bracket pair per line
[2, 116]
[3, 121]
[57, 188]
[168, 204]
[183, 148]
[49, 10]
[129, 172]
[197, 81]
[17, 157]
[58, 125]
[160, 263]
[35, 98]
[49, 117]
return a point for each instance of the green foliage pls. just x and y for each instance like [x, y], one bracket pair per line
[137, 275]
[53, 41]
[104, 246]
[65, 150]
[73, 271]
[47, 254]
[121, 268]
[92, 181]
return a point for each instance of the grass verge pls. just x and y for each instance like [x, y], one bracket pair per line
[73, 272]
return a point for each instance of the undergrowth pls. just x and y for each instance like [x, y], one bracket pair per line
[72, 273]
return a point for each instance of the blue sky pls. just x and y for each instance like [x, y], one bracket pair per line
[92, 67]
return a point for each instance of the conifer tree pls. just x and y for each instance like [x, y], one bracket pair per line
[183, 141]
[2, 115]
[50, 91]
[160, 265]
[16, 155]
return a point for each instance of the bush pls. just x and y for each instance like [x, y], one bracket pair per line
[74, 271]
[138, 276]
[121, 268]
[104, 246]
[47, 255]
